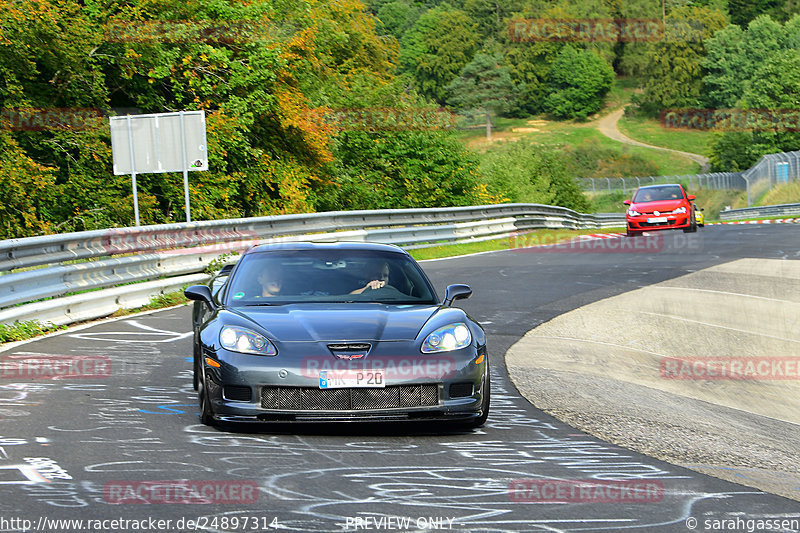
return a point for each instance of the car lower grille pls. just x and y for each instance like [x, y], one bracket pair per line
[310, 398]
[237, 393]
[656, 224]
[461, 390]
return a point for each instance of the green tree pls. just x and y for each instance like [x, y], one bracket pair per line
[579, 81]
[436, 48]
[397, 17]
[525, 172]
[743, 11]
[483, 84]
[673, 76]
[27, 192]
[399, 169]
[734, 56]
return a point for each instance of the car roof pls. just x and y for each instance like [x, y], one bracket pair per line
[333, 246]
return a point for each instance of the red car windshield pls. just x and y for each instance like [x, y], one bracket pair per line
[657, 194]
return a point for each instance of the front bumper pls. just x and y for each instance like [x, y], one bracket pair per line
[248, 388]
[643, 222]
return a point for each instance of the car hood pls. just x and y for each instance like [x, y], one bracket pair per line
[339, 322]
[663, 206]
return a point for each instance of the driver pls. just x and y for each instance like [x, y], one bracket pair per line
[379, 276]
[270, 279]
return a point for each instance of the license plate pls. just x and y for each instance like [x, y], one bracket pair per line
[330, 379]
[656, 220]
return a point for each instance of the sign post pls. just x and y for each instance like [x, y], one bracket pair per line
[158, 143]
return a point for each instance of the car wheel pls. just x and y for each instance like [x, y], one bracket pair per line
[633, 233]
[206, 414]
[196, 366]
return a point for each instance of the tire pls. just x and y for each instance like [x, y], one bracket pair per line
[630, 233]
[196, 369]
[206, 413]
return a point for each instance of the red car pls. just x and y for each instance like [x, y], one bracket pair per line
[658, 207]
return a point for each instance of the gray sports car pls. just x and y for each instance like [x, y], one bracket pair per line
[308, 332]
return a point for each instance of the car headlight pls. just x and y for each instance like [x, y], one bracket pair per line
[680, 211]
[245, 340]
[633, 213]
[452, 337]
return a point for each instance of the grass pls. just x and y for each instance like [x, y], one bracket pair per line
[20, 331]
[782, 194]
[620, 93]
[160, 301]
[609, 202]
[557, 134]
[650, 131]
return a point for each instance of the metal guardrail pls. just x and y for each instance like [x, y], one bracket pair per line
[784, 210]
[166, 257]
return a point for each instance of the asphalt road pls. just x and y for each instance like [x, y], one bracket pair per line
[86, 449]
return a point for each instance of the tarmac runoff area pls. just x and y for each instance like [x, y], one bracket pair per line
[701, 371]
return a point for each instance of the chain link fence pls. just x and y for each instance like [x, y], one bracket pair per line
[769, 171]
[716, 180]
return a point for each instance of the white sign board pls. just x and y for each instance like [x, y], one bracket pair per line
[157, 142]
[164, 142]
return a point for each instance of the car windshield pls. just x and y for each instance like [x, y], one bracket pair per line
[337, 276]
[656, 194]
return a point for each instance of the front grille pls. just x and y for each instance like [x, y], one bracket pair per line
[655, 224]
[237, 393]
[314, 399]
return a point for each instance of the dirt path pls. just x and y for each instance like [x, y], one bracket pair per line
[607, 125]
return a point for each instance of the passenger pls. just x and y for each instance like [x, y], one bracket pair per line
[379, 276]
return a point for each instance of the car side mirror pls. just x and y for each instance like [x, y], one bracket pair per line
[200, 293]
[692, 197]
[627, 202]
[456, 292]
